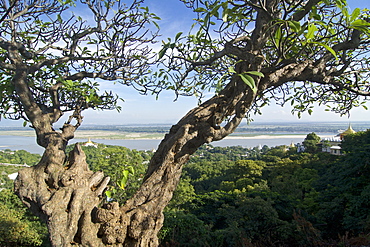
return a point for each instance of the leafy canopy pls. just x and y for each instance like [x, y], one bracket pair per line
[298, 52]
[65, 47]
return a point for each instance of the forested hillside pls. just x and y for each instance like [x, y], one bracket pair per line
[18, 227]
[273, 197]
[235, 196]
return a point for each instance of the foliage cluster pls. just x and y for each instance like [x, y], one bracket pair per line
[19, 157]
[18, 227]
[284, 34]
[277, 198]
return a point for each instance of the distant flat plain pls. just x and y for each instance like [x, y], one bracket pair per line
[251, 131]
[96, 134]
[118, 135]
[145, 137]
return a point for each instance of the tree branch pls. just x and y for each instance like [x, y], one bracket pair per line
[299, 15]
[8, 10]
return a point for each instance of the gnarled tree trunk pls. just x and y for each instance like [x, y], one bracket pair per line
[67, 195]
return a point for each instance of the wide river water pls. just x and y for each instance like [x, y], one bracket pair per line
[29, 143]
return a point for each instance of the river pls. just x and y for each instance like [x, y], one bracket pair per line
[29, 143]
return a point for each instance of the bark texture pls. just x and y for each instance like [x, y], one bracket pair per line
[67, 195]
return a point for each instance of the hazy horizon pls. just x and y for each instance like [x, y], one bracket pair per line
[19, 123]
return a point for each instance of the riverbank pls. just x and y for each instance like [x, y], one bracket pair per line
[142, 142]
[117, 135]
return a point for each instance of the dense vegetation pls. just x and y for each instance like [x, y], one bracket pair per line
[236, 196]
[20, 157]
[18, 227]
[274, 197]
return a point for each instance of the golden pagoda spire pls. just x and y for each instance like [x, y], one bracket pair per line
[347, 132]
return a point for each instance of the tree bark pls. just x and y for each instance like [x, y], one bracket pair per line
[67, 195]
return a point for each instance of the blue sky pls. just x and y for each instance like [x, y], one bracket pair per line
[139, 109]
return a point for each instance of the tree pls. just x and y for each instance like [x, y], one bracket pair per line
[49, 64]
[310, 142]
[297, 51]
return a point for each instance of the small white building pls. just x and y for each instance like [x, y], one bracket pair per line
[332, 145]
[335, 150]
[329, 142]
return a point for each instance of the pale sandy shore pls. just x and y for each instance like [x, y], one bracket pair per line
[116, 135]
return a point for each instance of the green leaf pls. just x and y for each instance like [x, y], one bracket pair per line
[277, 36]
[231, 70]
[60, 20]
[311, 31]
[345, 13]
[355, 14]
[249, 81]
[340, 3]
[206, 19]
[214, 11]
[131, 169]
[178, 36]
[360, 25]
[295, 26]
[200, 10]
[162, 52]
[125, 173]
[123, 182]
[225, 14]
[109, 193]
[257, 73]
[156, 24]
[328, 48]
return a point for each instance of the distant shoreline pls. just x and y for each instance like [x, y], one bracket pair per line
[116, 135]
[153, 132]
[27, 141]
